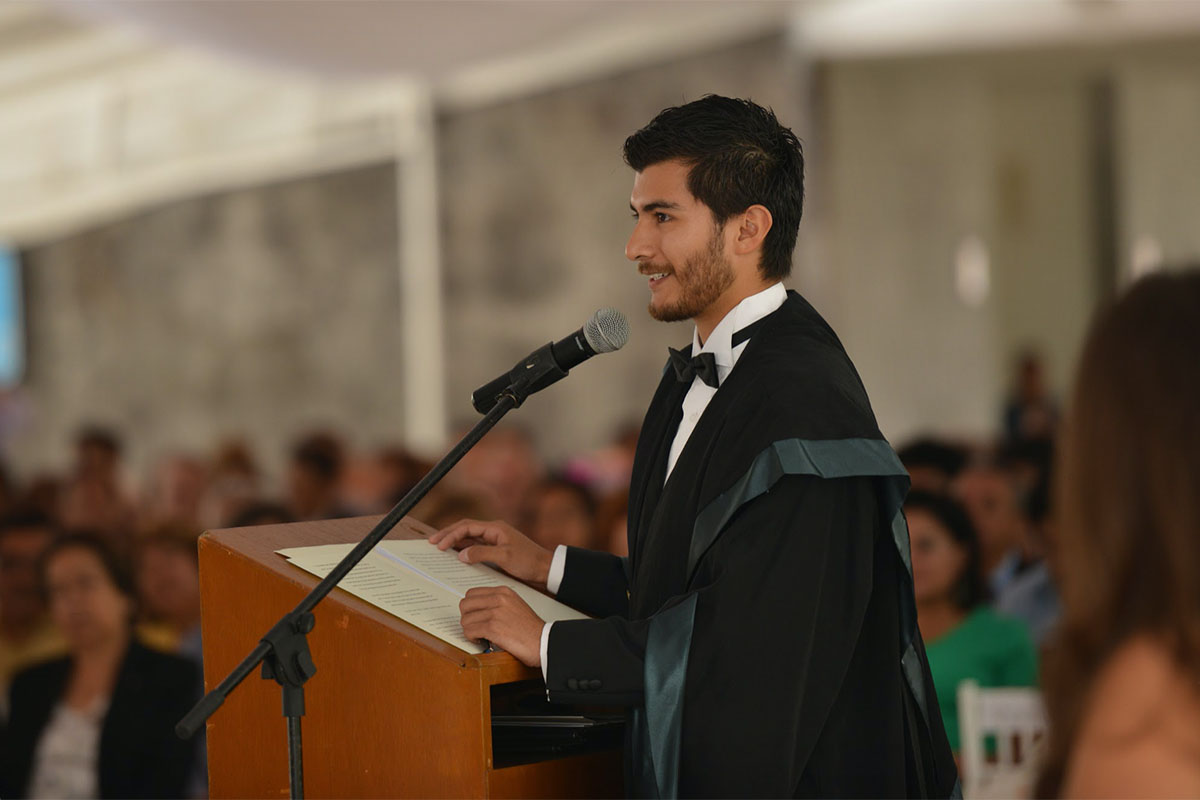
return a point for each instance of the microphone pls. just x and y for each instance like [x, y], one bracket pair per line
[605, 332]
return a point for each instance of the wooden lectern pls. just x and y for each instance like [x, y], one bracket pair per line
[391, 712]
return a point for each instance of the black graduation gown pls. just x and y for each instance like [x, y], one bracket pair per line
[763, 628]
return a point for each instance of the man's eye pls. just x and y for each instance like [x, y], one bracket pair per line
[661, 217]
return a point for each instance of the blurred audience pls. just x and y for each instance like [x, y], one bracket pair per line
[98, 722]
[264, 512]
[503, 469]
[1032, 595]
[987, 493]
[26, 633]
[563, 512]
[932, 464]
[1030, 412]
[95, 497]
[168, 584]
[1123, 679]
[964, 638]
[314, 479]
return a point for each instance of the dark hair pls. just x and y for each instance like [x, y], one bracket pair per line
[114, 565]
[929, 452]
[170, 536]
[582, 493]
[262, 512]
[321, 454]
[739, 155]
[1127, 509]
[26, 519]
[970, 589]
[99, 437]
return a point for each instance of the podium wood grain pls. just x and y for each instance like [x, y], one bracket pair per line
[391, 712]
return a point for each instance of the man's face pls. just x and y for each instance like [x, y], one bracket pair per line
[676, 244]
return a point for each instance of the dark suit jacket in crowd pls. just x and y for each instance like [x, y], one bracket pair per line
[140, 756]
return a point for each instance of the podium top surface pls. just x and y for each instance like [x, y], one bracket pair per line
[260, 543]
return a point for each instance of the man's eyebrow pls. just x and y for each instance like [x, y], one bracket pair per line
[655, 205]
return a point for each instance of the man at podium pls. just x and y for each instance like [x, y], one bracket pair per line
[762, 630]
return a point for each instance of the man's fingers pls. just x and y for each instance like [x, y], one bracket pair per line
[478, 553]
[465, 530]
[483, 598]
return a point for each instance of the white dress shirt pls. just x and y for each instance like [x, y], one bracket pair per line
[719, 343]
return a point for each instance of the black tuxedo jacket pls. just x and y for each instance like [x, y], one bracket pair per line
[763, 629]
[140, 755]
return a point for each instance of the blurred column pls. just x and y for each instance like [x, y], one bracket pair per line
[421, 326]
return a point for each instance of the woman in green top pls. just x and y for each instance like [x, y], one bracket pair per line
[964, 639]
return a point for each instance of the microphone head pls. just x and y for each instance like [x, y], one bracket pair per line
[606, 331]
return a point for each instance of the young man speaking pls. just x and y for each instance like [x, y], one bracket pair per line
[762, 630]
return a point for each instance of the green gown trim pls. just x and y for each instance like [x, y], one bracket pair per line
[670, 636]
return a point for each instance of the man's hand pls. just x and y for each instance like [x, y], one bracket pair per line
[497, 543]
[498, 614]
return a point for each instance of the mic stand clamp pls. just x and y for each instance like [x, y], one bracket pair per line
[535, 373]
[289, 663]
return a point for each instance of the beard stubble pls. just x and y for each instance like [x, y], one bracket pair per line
[705, 277]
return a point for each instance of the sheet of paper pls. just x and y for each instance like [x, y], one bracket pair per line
[394, 589]
[444, 567]
[422, 585]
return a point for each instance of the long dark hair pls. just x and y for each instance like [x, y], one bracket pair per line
[970, 589]
[1127, 495]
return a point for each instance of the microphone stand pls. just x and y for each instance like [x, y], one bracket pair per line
[283, 651]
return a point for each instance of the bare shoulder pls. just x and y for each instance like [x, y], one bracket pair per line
[1140, 735]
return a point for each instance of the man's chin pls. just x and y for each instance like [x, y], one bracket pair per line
[668, 312]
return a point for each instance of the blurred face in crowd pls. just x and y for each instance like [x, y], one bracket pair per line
[505, 468]
[169, 584]
[21, 600]
[85, 603]
[308, 490]
[991, 501]
[677, 244]
[95, 460]
[561, 516]
[937, 560]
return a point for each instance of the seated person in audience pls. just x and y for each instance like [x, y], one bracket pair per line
[314, 479]
[1032, 596]
[26, 633]
[1122, 683]
[99, 722]
[261, 512]
[168, 582]
[932, 464]
[989, 496]
[563, 512]
[964, 638]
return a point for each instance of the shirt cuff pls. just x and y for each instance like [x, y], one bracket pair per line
[558, 564]
[544, 647]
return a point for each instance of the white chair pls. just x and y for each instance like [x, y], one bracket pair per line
[1015, 718]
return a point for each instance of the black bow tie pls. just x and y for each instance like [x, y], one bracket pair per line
[704, 365]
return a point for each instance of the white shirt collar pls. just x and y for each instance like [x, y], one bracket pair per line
[747, 312]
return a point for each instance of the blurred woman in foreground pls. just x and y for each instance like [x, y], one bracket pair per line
[1123, 683]
[99, 722]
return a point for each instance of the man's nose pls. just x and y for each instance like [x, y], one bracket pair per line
[638, 247]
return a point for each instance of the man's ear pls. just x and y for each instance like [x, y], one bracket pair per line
[752, 227]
